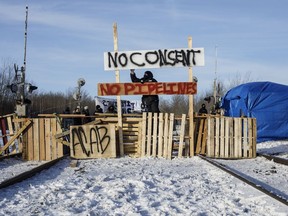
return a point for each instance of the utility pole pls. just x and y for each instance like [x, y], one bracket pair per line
[18, 87]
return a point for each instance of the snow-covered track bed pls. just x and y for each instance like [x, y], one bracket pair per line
[275, 159]
[22, 175]
[233, 167]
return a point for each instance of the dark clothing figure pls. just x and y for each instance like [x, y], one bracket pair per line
[76, 120]
[150, 103]
[111, 109]
[67, 121]
[87, 114]
[203, 109]
[98, 109]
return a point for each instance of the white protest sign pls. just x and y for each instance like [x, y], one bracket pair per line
[128, 106]
[154, 58]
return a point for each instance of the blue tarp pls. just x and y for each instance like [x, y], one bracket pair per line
[265, 101]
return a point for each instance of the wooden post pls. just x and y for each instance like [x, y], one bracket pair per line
[119, 107]
[191, 110]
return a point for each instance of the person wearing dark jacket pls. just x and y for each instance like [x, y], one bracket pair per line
[203, 109]
[150, 103]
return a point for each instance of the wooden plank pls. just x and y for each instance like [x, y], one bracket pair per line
[227, 127]
[212, 138]
[11, 133]
[30, 142]
[17, 126]
[102, 136]
[59, 144]
[15, 136]
[231, 137]
[204, 140]
[139, 143]
[48, 139]
[222, 135]
[155, 127]
[237, 143]
[119, 107]
[143, 143]
[35, 140]
[170, 138]
[166, 132]
[254, 137]
[191, 108]
[42, 138]
[182, 135]
[149, 134]
[209, 141]
[217, 138]
[53, 140]
[4, 133]
[200, 134]
[160, 135]
[245, 137]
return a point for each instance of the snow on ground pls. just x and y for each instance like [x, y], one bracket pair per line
[147, 186]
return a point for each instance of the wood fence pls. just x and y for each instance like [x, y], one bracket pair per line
[9, 142]
[144, 135]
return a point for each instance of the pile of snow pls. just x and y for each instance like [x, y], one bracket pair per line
[147, 186]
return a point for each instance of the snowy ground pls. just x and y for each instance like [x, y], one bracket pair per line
[146, 186]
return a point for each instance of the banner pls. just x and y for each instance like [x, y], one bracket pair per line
[128, 106]
[154, 58]
[148, 88]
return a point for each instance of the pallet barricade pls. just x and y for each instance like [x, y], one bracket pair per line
[160, 138]
[148, 134]
[231, 137]
[10, 137]
[130, 130]
[214, 136]
[41, 140]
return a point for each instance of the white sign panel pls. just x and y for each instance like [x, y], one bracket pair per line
[154, 58]
[128, 106]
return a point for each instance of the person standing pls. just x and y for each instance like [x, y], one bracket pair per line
[87, 117]
[150, 103]
[203, 109]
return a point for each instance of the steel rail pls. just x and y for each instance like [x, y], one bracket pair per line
[246, 180]
[279, 160]
[25, 175]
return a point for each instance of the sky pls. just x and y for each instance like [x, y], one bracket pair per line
[66, 40]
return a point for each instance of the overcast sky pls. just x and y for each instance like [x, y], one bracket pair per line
[67, 39]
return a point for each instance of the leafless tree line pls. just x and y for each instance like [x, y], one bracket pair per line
[56, 102]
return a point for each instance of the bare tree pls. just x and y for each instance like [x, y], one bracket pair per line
[7, 102]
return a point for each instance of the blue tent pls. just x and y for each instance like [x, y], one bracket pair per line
[265, 101]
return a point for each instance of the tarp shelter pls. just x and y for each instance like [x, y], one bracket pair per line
[265, 101]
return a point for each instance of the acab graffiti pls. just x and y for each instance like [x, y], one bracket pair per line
[92, 141]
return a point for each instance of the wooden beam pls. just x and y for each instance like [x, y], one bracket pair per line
[15, 136]
[191, 109]
[119, 106]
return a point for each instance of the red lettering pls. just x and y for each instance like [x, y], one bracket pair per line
[151, 88]
[171, 87]
[129, 87]
[113, 89]
[103, 90]
[140, 88]
[182, 88]
[159, 88]
[191, 88]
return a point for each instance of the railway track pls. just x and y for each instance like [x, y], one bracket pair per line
[275, 159]
[25, 175]
[283, 198]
